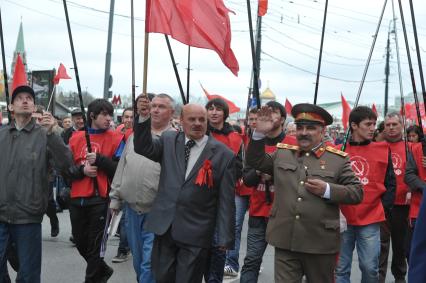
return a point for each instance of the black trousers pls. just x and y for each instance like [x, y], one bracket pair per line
[174, 262]
[395, 228]
[88, 223]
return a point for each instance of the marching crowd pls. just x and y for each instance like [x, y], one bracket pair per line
[185, 186]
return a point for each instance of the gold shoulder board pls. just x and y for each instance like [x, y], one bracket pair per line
[287, 146]
[336, 151]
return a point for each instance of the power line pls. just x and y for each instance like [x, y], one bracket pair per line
[313, 73]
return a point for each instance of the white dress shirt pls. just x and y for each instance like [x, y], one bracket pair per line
[195, 152]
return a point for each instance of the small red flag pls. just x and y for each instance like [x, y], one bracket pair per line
[374, 109]
[288, 107]
[201, 23]
[232, 107]
[346, 111]
[263, 8]
[19, 76]
[61, 74]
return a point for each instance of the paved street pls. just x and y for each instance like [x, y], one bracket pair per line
[62, 263]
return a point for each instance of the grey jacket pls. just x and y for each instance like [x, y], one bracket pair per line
[135, 180]
[24, 162]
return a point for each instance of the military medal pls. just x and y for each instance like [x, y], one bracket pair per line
[322, 164]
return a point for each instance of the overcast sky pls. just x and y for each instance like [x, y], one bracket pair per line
[291, 39]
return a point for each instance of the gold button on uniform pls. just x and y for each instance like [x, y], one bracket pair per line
[302, 183]
[299, 199]
[297, 216]
[306, 167]
[307, 154]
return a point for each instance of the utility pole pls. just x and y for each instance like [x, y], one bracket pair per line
[107, 78]
[387, 68]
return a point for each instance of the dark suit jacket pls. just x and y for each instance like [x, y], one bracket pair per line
[192, 212]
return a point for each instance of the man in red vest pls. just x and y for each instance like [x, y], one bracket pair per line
[372, 164]
[92, 175]
[396, 225]
[262, 197]
[217, 113]
[126, 126]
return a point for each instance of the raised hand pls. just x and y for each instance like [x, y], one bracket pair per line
[264, 122]
[47, 121]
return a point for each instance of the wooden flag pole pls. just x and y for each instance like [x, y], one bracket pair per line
[145, 64]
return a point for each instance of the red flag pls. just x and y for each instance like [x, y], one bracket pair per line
[19, 76]
[61, 74]
[201, 23]
[263, 8]
[232, 107]
[288, 107]
[345, 113]
[374, 109]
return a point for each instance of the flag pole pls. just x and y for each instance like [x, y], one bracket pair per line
[413, 82]
[132, 36]
[401, 90]
[145, 49]
[188, 73]
[419, 59]
[172, 57]
[51, 97]
[6, 85]
[80, 96]
[345, 140]
[253, 55]
[320, 54]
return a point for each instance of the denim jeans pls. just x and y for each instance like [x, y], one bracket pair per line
[367, 241]
[256, 246]
[123, 245]
[232, 256]
[27, 238]
[140, 243]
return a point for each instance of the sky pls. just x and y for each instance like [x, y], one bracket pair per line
[291, 33]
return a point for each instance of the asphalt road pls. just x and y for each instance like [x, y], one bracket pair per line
[62, 263]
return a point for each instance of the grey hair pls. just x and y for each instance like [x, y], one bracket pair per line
[164, 95]
[394, 114]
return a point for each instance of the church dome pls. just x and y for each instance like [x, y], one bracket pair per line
[267, 94]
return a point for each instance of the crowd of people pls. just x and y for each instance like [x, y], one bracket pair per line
[184, 187]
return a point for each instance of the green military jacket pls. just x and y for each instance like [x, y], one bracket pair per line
[299, 220]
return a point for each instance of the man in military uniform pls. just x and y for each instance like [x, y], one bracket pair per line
[311, 180]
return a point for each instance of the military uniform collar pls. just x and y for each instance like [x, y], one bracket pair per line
[317, 151]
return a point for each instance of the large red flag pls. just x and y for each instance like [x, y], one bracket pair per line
[61, 74]
[201, 23]
[232, 107]
[346, 111]
[19, 76]
[288, 106]
[263, 8]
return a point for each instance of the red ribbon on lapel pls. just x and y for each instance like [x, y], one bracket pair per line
[205, 175]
